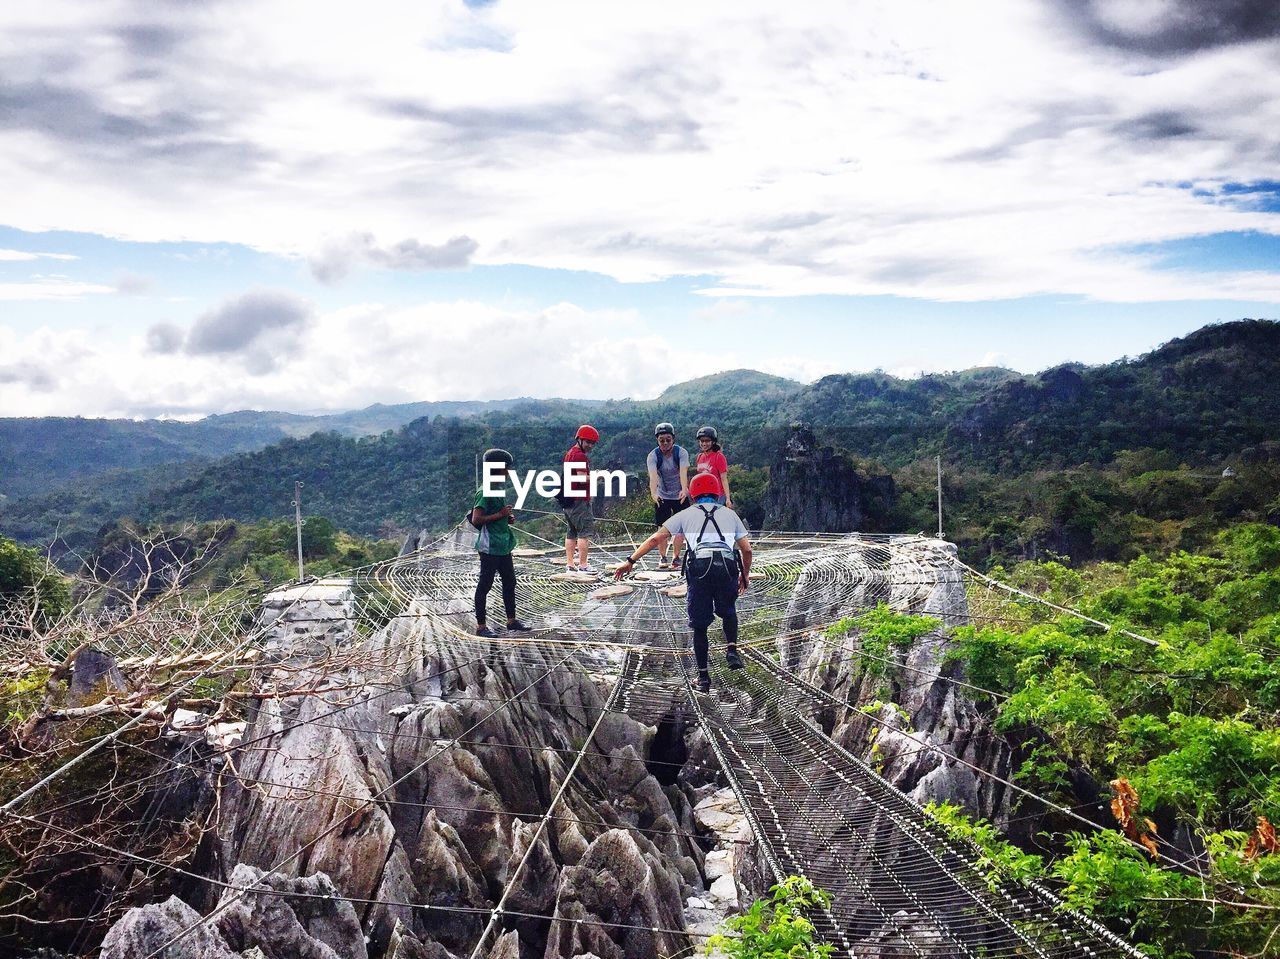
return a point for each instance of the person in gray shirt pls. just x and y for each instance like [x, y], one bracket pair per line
[668, 484]
[717, 568]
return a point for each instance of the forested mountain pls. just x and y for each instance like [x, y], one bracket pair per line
[38, 454]
[1088, 462]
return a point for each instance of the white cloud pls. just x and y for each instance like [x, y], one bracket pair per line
[336, 256]
[18, 256]
[947, 151]
[346, 359]
[51, 289]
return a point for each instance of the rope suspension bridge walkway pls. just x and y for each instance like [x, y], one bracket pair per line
[900, 884]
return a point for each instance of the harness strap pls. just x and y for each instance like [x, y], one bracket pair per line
[709, 516]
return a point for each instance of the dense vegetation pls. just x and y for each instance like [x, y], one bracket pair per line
[1184, 730]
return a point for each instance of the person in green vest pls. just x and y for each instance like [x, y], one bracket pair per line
[493, 518]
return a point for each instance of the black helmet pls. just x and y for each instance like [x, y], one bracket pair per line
[498, 456]
[664, 428]
[710, 433]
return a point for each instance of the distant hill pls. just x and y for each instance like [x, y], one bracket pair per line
[1081, 460]
[38, 454]
[377, 418]
[1203, 397]
[729, 388]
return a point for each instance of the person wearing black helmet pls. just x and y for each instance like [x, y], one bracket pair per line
[711, 461]
[493, 517]
[668, 484]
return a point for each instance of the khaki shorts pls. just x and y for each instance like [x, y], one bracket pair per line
[581, 522]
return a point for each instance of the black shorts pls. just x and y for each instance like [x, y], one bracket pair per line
[664, 509]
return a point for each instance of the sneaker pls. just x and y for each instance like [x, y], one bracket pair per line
[570, 568]
[732, 658]
[663, 564]
[518, 627]
[486, 632]
[587, 568]
[704, 683]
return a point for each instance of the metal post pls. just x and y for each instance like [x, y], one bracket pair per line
[297, 518]
[939, 462]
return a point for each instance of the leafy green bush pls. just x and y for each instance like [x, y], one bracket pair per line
[776, 927]
[881, 631]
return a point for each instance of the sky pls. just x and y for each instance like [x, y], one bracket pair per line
[253, 204]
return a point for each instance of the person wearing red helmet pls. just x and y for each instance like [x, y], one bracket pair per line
[717, 568]
[575, 499]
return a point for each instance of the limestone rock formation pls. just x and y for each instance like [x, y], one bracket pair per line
[816, 487]
[147, 930]
[391, 802]
[626, 887]
[928, 733]
[285, 918]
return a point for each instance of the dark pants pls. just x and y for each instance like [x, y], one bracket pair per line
[489, 567]
[713, 591]
[664, 509]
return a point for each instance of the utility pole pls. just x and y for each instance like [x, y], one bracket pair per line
[939, 462]
[297, 519]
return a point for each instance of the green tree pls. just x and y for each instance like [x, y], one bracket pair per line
[25, 574]
[319, 537]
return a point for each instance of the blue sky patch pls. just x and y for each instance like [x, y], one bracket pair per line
[1238, 251]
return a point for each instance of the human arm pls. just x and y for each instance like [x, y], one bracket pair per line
[684, 476]
[744, 574]
[724, 482]
[653, 484]
[479, 517]
[656, 541]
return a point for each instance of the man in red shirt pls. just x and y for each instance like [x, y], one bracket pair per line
[575, 499]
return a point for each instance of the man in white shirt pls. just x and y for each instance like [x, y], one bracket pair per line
[715, 539]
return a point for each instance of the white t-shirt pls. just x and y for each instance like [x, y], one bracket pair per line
[690, 522]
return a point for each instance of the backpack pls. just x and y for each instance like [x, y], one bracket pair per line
[658, 459]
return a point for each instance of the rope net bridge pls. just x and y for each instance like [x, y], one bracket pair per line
[815, 808]
[900, 885]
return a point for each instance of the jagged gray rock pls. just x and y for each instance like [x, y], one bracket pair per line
[149, 930]
[921, 704]
[618, 883]
[93, 669]
[278, 915]
[815, 487]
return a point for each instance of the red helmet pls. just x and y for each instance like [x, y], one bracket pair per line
[588, 433]
[704, 484]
